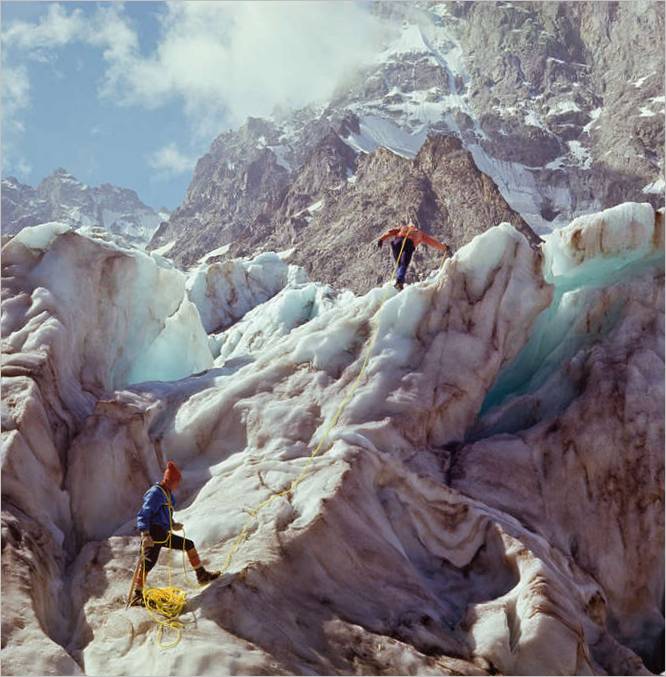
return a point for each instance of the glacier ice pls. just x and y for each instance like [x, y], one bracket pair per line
[225, 291]
[111, 315]
[423, 537]
[596, 265]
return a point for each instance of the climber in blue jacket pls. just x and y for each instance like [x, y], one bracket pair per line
[155, 522]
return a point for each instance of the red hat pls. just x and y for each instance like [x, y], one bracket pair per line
[171, 474]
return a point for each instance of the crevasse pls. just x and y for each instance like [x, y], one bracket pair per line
[582, 313]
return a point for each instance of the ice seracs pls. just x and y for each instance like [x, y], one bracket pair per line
[225, 291]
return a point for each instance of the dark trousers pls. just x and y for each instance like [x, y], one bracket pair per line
[407, 251]
[174, 542]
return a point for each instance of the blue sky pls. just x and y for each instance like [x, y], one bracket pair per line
[68, 124]
[133, 93]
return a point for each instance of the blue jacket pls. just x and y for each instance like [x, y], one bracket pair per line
[155, 509]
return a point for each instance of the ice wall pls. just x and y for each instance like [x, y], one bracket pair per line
[111, 315]
[225, 291]
[596, 265]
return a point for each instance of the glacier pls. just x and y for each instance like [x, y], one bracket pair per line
[487, 492]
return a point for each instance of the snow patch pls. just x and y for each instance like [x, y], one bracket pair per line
[640, 81]
[532, 119]
[378, 132]
[655, 187]
[220, 251]
[409, 41]
[580, 153]
[164, 249]
[563, 107]
[557, 163]
[594, 116]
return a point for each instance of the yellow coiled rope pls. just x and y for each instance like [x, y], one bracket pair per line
[164, 605]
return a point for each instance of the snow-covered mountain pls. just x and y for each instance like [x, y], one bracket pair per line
[553, 108]
[61, 197]
[465, 477]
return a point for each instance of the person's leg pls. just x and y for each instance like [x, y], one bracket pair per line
[180, 543]
[396, 246]
[405, 259]
[150, 556]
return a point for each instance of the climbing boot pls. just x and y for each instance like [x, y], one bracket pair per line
[204, 576]
[137, 599]
[399, 285]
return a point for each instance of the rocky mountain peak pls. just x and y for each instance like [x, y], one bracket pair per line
[547, 101]
[62, 197]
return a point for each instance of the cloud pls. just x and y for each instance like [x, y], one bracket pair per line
[55, 29]
[23, 166]
[15, 100]
[222, 61]
[15, 94]
[226, 61]
[169, 161]
[38, 42]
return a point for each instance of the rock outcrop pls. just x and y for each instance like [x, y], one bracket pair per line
[338, 204]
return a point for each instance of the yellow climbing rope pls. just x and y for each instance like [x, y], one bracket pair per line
[253, 512]
[165, 605]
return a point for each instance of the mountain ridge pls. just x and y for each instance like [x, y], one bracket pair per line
[529, 90]
[61, 197]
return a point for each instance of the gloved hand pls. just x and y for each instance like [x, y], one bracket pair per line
[176, 526]
[447, 250]
[379, 243]
[147, 540]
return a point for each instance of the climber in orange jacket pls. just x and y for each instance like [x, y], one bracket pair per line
[412, 238]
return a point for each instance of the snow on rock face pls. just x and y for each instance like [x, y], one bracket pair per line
[401, 546]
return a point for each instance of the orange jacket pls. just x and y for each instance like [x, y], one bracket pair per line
[415, 235]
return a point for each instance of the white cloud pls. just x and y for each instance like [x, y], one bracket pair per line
[226, 61]
[170, 161]
[15, 93]
[55, 29]
[38, 41]
[223, 61]
[23, 166]
[15, 100]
